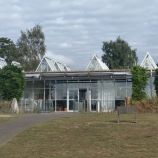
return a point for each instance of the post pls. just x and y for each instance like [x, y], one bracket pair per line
[126, 85]
[115, 93]
[49, 89]
[33, 95]
[151, 93]
[118, 116]
[67, 99]
[55, 96]
[44, 95]
[98, 106]
[89, 100]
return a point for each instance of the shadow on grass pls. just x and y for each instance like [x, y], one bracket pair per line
[122, 121]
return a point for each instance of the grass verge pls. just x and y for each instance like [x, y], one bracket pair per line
[6, 117]
[87, 136]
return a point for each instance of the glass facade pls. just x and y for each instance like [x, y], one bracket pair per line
[76, 95]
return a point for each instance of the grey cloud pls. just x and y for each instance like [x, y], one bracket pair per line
[75, 29]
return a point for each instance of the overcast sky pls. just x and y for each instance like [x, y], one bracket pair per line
[75, 29]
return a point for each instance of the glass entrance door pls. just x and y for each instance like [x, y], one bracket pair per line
[73, 100]
[82, 99]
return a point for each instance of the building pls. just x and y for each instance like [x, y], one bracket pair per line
[148, 62]
[4, 63]
[54, 87]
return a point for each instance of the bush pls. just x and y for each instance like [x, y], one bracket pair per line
[139, 82]
[11, 82]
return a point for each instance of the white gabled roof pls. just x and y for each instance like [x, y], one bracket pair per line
[148, 62]
[16, 64]
[2, 63]
[96, 65]
[51, 65]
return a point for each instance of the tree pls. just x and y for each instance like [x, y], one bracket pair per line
[139, 82]
[31, 45]
[11, 82]
[8, 50]
[156, 81]
[118, 54]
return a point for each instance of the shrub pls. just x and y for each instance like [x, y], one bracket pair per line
[11, 82]
[139, 82]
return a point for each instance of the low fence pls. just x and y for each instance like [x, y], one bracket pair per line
[30, 105]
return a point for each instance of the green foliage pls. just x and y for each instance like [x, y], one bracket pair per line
[139, 82]
[31, 45]
[118, 54]
[156, 81]
[11, 82]
[8, 50]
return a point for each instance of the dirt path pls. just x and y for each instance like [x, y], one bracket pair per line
[11, 129]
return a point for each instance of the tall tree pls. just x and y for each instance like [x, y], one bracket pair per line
[118, 54]
[31, 45]
[8, 50]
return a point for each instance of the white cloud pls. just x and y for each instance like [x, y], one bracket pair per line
[65, 45]
[60, 20]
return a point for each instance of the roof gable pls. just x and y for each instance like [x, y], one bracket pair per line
[4, 63]
[96, 65]
[51, 65]
[148, 62]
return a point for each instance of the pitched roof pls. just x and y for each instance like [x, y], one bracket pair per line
[51, 65]
[15, 63]
[148, 62]
[4, 63]
[96, 65]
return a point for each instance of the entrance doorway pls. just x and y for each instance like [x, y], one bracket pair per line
[83, 99]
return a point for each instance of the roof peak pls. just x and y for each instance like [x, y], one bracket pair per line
[148, 62]
[51, 65]
[96, 64]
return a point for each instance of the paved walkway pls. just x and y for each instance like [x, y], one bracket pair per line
[11, 129]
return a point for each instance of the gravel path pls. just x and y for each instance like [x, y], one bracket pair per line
[11, 129]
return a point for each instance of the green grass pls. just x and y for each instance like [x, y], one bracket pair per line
[87, 136]
[6, 118]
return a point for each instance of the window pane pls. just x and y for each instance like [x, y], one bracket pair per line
[73, 94]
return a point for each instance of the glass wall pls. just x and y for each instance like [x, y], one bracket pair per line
[106, 95]
[49, 96]
[150, 87]
[34, 89]
[87, 95]
[94, 96]
[78, 95]
[61, 95]
[123, 89]
[73, 100]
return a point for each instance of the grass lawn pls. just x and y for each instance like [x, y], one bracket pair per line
[6, 117]
[87, 136]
